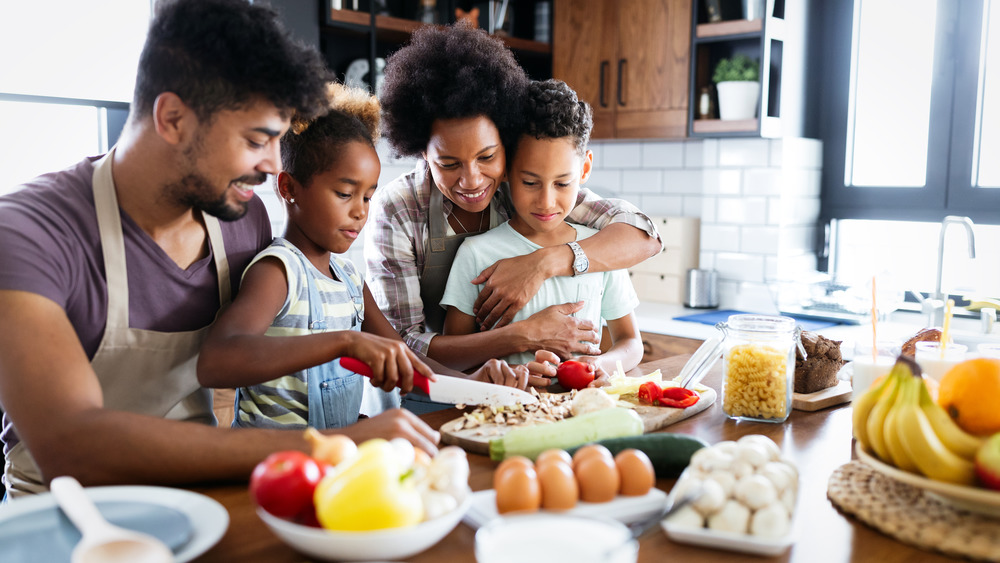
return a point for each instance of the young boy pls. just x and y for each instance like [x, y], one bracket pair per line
[550, 163]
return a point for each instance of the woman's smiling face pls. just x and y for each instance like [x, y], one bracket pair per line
[466, 160]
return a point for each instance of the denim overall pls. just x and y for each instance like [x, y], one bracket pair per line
[334, 392]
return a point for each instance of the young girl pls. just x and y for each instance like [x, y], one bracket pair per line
[301, 306]
[550, 163]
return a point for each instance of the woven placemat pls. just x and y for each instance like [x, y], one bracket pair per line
[908, 514]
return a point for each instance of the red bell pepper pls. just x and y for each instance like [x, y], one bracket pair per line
[677, 397]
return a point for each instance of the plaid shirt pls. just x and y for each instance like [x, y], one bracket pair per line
[398, 230]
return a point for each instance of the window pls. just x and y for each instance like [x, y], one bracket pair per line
[67, 70]
[912, 110]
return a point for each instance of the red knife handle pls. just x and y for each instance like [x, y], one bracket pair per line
[361, 368]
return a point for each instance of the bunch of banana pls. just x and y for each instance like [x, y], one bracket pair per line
[899, 422]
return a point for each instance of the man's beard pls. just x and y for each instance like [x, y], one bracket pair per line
[193, 190]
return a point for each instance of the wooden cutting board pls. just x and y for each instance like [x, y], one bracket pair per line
[477, 440]
[836, 395]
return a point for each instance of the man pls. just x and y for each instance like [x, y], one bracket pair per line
[112, 270]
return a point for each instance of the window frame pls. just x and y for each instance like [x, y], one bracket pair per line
[948, 189]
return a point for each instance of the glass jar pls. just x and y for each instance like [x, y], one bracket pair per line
[759, 367]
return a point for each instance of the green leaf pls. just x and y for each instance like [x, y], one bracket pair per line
[737, 68]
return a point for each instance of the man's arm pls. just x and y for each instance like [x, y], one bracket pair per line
[54, 399]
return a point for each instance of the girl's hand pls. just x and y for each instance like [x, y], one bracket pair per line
[502, 373]
[543, 369]
[392, 362]
[395, 423]
[507, 286]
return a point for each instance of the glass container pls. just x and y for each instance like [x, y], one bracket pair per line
[758, 354]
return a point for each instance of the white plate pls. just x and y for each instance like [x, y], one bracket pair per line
[209, 519]
[973, 499]
[729, 541]
[626, 510]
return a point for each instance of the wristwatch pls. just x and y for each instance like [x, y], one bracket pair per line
[580, 262]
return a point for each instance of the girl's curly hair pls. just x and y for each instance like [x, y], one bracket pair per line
[311, 146]
[450, 72]
[553, 111]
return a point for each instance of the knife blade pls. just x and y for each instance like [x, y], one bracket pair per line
[455, 390]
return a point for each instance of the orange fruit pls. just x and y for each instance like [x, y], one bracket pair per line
[970, 392]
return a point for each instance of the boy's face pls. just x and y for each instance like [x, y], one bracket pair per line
[545, 177]
[330, 212]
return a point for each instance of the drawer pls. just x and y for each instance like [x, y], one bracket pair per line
[658, 288]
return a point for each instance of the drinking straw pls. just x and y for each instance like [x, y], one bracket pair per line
[874, 325]
[947, 324]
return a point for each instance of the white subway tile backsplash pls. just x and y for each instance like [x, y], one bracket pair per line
[709, 209]
[762, 181]
[743, 152]
[722, 238]
[693, 206]
[742, 267]
[716, 181]
[797, 240]
[605, 180]
[742, 210]
[644, 181]
[598, 150]
[797, 153]
[662, 205]
[662, 154]
[622, 155]
[706, 260]
[683, 182]
[760, 240]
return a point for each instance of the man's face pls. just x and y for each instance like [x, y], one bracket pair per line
[227, 158]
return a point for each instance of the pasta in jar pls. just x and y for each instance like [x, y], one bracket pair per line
[759, 368]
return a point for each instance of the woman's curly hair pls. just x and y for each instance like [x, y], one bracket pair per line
[553, 111]
[312, 146]
[446, 73]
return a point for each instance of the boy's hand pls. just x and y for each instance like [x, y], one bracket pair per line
[391, 361]
[507, 286]
[502, 373]
[601, 377]
[543, 369]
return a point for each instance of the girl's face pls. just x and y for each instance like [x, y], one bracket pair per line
[545, 177]
[329, 213]
[466, 160]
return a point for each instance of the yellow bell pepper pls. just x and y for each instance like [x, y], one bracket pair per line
[368, 492]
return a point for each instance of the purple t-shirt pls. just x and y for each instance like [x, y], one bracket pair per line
[49, 245]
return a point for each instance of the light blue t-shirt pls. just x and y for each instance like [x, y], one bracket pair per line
[607, 295]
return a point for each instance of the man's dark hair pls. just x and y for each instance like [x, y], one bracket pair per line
[447, 73]
[553, 111]
[225, 54]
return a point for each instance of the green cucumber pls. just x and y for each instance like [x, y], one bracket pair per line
[670, 453]
[530, 441]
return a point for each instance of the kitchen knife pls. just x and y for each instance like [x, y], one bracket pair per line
[455, 390]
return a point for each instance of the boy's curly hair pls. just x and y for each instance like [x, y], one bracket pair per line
[446, 73]
[223, 55]
[312, 146]
[554, 111]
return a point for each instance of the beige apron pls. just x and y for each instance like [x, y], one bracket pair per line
[140, 371]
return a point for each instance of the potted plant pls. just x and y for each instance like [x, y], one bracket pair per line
[738, 82]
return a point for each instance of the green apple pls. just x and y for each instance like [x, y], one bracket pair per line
[988, 462]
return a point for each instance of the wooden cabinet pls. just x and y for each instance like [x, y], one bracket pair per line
[630, 60]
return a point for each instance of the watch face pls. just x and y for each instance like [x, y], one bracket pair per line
[581, 264]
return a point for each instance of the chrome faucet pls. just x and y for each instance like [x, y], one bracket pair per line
[936, 304]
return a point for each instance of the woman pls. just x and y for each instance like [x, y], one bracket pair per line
[454, 97]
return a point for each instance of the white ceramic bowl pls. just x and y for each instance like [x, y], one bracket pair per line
[546, 537]
[392, 543]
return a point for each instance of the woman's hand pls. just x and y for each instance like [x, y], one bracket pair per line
[391, 361]
[502, 373]
[555, 329]
[508, 286]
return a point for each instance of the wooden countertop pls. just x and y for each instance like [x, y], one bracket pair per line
[818, 442]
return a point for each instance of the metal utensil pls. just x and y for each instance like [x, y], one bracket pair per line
[455, 390]
[640, 528]
[102, 541]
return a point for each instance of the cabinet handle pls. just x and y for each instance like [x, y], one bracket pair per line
[604, 70]
[621, 64]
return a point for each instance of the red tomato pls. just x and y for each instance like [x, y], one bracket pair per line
[678, 397]
[575, 375]
[649, 392]
[283, 484]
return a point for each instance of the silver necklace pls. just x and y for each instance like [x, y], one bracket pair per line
[465, 229]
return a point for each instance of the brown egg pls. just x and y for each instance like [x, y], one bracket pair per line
[560, 490]
[636, 472]
[553, 455]
[505, 465]
[517, 489]
[598, 478]
[589, 451]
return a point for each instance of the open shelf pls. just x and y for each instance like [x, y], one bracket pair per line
[727, 28]
[710, 126]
